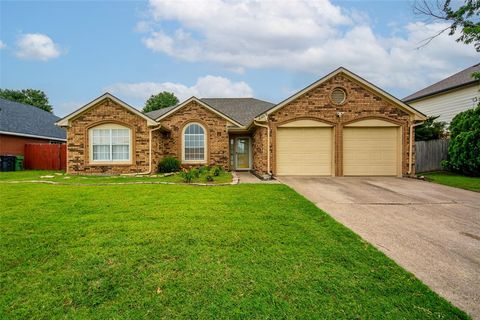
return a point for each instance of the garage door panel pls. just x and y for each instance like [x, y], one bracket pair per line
[304, 151]
[370, 151]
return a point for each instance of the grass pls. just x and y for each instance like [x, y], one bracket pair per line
[60, 177]
[454, 180]
[179, 251]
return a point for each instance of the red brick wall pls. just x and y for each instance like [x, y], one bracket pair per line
[15, 145]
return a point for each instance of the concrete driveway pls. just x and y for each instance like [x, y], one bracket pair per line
[431, 230]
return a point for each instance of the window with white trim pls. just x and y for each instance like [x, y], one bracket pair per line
[110, 143]
[194, 143]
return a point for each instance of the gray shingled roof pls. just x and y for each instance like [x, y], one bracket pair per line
[242, 110]
[461, 78]
[157, 113]
[25, 119]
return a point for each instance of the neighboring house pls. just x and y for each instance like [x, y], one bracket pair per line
[21, 124]
[448, 97]
[340, 125]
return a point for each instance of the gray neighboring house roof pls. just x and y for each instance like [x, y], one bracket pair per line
[242, 110]
[459, 79]
[25, 120]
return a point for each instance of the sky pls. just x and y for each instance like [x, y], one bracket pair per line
[77, 50]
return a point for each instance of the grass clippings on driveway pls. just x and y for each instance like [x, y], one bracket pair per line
[454, 180]
[176, 251]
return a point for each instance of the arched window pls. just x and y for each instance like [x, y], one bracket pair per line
[110, 142]
[194, 143]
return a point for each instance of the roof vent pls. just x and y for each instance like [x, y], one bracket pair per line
[338, 96]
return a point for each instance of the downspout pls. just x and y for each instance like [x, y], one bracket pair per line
[268, 143]
[410, 151]
[149, 155]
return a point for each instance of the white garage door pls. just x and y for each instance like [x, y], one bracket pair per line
[370, 151]
[304, 151]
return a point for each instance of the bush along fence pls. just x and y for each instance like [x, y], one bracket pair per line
[430, 154]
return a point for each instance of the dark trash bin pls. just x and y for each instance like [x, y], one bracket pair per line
[7, 163]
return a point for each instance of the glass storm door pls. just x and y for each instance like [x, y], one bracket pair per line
[243, 153]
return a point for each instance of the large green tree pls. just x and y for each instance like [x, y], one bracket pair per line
[159, 101]
[464, 148]
[33, 97]
[463, 19]
[431, 129]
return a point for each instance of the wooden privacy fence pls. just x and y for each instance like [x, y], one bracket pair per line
[429, 155]
[45, 156]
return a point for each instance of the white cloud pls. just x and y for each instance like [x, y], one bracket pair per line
[2, 45]
[314, 37]
[208, 86]
[37, 46]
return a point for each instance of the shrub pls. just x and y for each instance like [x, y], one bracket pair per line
[430, 130]
[189, 175]
[169, 164]
[217, 170]
[203, 169]
[464, 148]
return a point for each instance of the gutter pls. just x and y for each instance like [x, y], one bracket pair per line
[149, 155]
[410, 151]
[268, 140]
[31, 136]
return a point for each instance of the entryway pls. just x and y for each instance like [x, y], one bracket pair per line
[240, 153]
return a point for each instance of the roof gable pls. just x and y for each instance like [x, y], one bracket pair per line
[417, 114]
[64, 122]
[201, 103]
[459, 79]
[26, 120]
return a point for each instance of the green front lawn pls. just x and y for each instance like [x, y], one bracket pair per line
[177, 251]
[454, 180]
[61, 177]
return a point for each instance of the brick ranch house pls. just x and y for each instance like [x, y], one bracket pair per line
[341, 125]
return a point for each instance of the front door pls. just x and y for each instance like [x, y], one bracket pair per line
[242, 153]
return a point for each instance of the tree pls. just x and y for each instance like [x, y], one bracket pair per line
[464, 148]
[464, 19]
[33, 97]
[159, 101]
[430, 129]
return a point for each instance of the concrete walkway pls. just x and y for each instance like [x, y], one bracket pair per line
[431, 230]
[247, 177]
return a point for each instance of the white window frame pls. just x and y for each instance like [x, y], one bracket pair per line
[205, 145]
[110, 126]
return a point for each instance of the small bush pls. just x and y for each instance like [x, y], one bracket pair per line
[203, 169]
[188, 176]
[195, 172]
[217, 170]
[169, 164]
[431, 129]
[464, 148]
